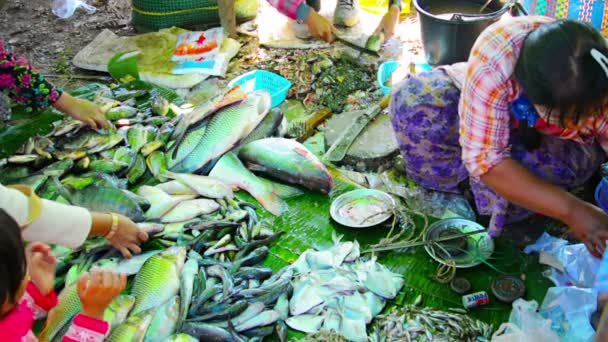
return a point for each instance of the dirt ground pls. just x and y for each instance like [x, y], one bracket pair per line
[31, 28]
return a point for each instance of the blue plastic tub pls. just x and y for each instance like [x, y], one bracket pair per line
[387, 69]
[276, 85]
[601, 194]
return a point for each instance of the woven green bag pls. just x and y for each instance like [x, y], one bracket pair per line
[153, 15]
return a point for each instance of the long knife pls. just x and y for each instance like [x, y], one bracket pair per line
[338, 150]
[355, 46]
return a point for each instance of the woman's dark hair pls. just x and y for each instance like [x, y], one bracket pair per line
[556, 70]
[13, 264]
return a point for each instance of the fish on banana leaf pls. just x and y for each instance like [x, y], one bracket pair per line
[137, 170]
[203, 185]
[157, 164]
[164, 322]
[267, 128]
[188, 210]
[121, 112]
[134, 328]
[187, 286]
[68, 305]
[107, 165]
[118, 310]
[231, 171]
[289, 161]
[224, 131]
[181, 338]
[175, 187]
[158, 279]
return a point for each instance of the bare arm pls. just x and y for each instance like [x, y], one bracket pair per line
[516, 184]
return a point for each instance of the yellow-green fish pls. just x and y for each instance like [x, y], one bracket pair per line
[181, 338]
[134, 329]
[68, 305]
[164, 322]
[118, 310]
[158, 280]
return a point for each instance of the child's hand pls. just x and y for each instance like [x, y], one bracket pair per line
[41, 266]
[98, 290]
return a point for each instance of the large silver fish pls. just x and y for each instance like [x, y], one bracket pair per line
[289, 161]
[224, 131]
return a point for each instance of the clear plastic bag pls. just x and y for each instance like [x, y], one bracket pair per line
[66, 8]
[525, 325]
[570, 309]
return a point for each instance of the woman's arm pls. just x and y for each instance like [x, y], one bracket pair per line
[516, 184]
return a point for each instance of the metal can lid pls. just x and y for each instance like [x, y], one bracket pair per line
[508, 288]
[460, 285]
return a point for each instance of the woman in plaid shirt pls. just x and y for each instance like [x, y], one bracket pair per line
[523, 121]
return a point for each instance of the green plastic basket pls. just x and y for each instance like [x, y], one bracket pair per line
[153, 15]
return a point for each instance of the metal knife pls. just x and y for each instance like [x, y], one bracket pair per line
[338, 150]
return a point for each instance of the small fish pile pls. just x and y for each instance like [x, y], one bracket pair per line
[335, 290]
[415, 323]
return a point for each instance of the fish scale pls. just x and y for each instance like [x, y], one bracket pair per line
[68, 305]
[224, 131]
[158, 280]
[133, 330]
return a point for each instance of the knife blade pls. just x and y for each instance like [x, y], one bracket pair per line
[338, 149]
[356, 46]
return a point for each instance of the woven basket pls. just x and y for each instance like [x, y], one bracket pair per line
[153, 15]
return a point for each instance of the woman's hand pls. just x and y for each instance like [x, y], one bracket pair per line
[97, 290]
[82, 110]
[389, 22]
[320, 27]
[41, 266]
[127, 238]
[590, 225]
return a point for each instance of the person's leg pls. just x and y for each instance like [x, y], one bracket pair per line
[564, 163]
[346, 13]
[424, 111]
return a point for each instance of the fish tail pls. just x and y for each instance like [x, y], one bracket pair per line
[272, 202]
[282, 190]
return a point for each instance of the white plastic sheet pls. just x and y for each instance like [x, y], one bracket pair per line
[66, 8]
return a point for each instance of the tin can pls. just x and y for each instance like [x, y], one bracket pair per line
[476, 299]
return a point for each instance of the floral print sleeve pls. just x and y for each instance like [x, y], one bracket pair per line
[23, 84]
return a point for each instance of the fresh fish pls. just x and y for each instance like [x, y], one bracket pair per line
[158, 279]
[273, 294]
[107, 166]
[133, 329]
[231, 97]
[260, 331]
[125, 155]
[207, 332]
[209, 292]
[160, 201]
[58, 168]
[34, 182]
[9, 174]
[203, 185]
[250, 312]
[375, 303]
[151, 147]
[137, 137]
[187, 210]
[69, 155]
[133, 265]
[282, 306]
[165, 321]
[231, 171]
[262, 319]
[118, 310]
[191, 139]
[224, 131]
[221, 273]
[121, 112]
[259, 273]
[187, 285]
[284, 191]
[44, 145]
[332, 321]
[164, 132]
[104, 199]
[289, 161]
[305, 297]
[23, 159]
[255, 257]
[66, 126]
[353, 329]
[157, 164]
[83, 164]
[181, 338]
[68, 305]
[281, 330]
[152, 228]
[374, 42]
[77, 183]
[265, 129]
[257, 243]
[124, 94]
[112, 140]
[221, 311]
[383, 282]
[160, 106]
[306, 323]
[175, 187]
[137, 169]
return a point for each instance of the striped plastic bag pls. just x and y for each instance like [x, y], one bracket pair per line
[594, 12]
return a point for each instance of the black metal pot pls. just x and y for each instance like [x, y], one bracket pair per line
[448, 41]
